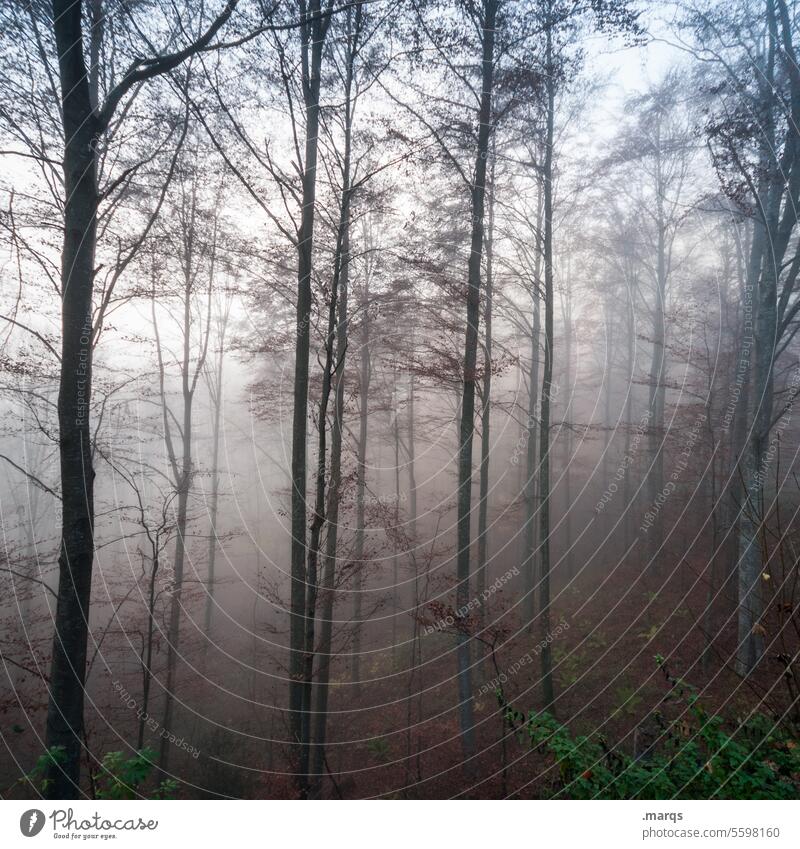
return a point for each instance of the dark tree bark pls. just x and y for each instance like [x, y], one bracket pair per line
[364, 377]
[313, 31]
[467, 428]
[627, 498]
[216, 392]
[655, 477]
[531, 479]
[566, 428]
[317, 524]
[68, 665]
[486, 416]
[83, 126]
[547, 380]
[334, 495]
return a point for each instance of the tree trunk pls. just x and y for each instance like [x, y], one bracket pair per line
[743, 377]
[312, 35]
[470, 363]
[627, 498]
[174, 627]
[217, 397]
[147, 654]
[767, 254]
[395, 541]
[486, 420]
[566, 429]
[365, 373]
[68, 664]
[316, 529]
[750, 631]
[83, 124]
[183, 467]
[341, 279]
[658, 386]
[657, 397]
[331, 542]
[547, 380]
[531, 477]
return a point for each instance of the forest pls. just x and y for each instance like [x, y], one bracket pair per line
[398, 399]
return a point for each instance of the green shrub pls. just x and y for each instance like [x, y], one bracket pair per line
[37, 777]
[122, 778]
[697, 757]
[119, 777]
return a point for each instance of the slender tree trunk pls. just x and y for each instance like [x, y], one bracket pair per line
[750, 631]
[769, 245]
[412, 473]
[412, 518]
[470, 364]
[341, 279]
[742, 378]
[486, 419]
[217, 398]
[607, 393]
[627, 506]
[213, 535]
[395, 543]
[708, 613]
[316, 529]
[183, 468]
[174, 627]
[567, 429]
[547, 381]
[657, 398]
[312, 34]
[530, 431]
[68, 665]
[745, 501]
[415, 654]
[331, 542]
[147, 655]
[658, 387]
[365, 373]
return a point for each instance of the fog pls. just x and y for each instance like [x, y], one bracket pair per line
[398, 400]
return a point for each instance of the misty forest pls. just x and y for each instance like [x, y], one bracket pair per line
[399, 399]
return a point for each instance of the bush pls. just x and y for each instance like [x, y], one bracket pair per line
[119, 777]
[122, 778]
[696, 758]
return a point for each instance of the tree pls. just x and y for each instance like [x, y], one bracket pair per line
[659, 147]
[486, 19]
[758, 163]
[85, 124]
[313, 31]
[214, 378]
[194, 243]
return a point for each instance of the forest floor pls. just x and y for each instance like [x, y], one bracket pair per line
[608, 684]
